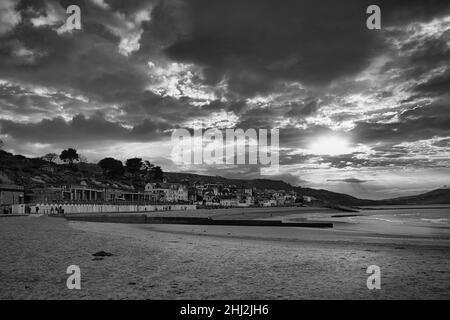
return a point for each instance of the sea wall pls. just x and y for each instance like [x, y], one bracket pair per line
[49, 208]
[142, 218]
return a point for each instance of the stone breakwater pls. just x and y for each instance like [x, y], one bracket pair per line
[142, 218]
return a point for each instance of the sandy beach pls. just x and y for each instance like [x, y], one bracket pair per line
[217, 262]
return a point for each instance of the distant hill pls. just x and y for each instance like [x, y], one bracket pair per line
[324, 195]
[438, 196]
[36, 172]
[254, 183]
[334, 197]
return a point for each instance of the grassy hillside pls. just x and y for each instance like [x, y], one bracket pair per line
[36, 172]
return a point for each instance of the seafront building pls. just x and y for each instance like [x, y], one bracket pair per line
[10, 195]
[153, 196]
[168, 192]
[160, 193]
[84, 193]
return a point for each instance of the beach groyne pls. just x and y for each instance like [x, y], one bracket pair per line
[144, 219]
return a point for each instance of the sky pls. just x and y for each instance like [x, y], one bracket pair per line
[359, 111]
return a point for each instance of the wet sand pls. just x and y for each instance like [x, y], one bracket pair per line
[214, 262]
[245, 213]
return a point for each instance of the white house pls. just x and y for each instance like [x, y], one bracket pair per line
[309, 199]
[269, 203]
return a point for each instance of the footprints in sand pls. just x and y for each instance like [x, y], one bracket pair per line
[188, 261]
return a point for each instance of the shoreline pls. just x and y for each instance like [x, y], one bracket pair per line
[405, 207]
[296, 235]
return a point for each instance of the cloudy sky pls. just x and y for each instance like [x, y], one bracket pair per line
[364, 112]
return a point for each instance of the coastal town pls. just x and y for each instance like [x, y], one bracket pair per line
[196, 194]
[138, 183]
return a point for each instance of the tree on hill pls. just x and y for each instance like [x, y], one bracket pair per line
[157, 174]
[1, 144]
[134, 165]
[153, 172]
[111, 167]
[69, 155]
[50, 157]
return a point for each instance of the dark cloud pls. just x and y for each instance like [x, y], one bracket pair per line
[81, 63]
[15, 101]
[20, 102]
[81, 129]
[353, 161]
[167, 108]
[307, 108]
[431, 51]
[415, 124]
[255, 44]
[349, 180]
[439, 84]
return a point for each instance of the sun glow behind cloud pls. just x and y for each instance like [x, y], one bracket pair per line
[330, 145]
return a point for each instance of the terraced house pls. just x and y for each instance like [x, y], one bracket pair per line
[168, 192]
